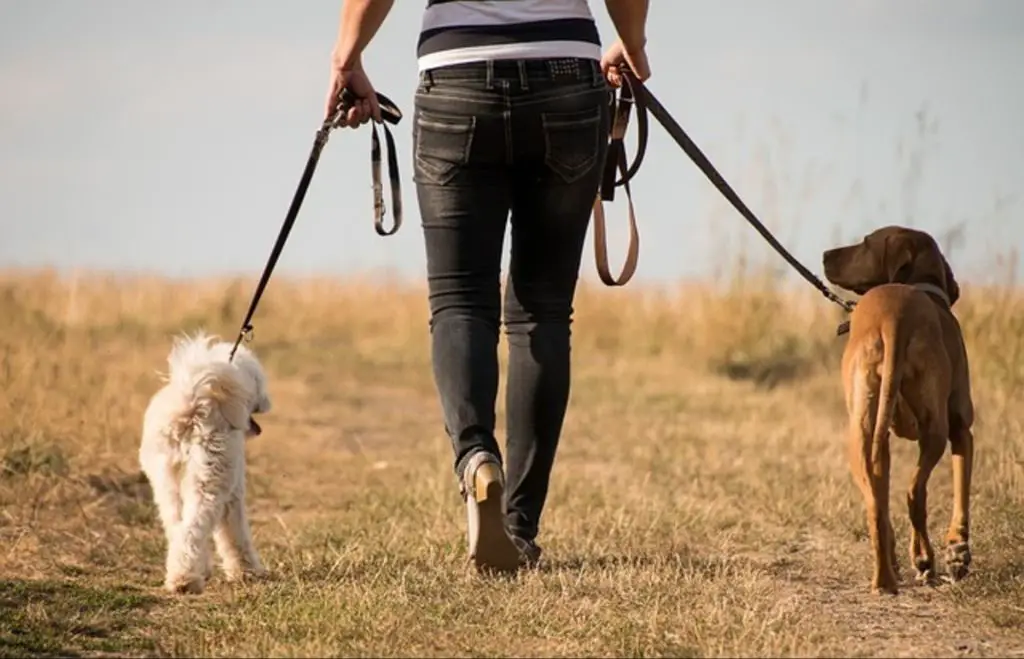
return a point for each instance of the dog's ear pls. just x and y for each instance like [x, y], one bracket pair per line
[235, 411]
[265, 404]
[925, 261]
[247, 363]
[898, 258]
[952, 287]
[233, 396]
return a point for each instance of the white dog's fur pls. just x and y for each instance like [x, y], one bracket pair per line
[193, 453]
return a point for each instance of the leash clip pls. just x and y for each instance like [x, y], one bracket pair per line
[245, 334]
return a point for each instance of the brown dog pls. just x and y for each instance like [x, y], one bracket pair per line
[905, 368]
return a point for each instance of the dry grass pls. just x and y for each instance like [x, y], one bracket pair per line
[701, 505]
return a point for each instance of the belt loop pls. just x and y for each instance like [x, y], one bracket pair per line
[521, 67]
[489, 82]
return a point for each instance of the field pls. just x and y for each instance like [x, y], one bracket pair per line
[701, 505]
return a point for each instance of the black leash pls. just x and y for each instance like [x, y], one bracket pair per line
[390, 114]
[633, 92]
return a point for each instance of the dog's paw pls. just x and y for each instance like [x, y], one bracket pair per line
[924, 570]
[248, 574]
[185, 584]
[886, 584]
[886, 589]
[958, 560]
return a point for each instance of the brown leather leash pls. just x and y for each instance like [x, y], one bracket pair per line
[635, 93]
[616, 162]
[390, 114]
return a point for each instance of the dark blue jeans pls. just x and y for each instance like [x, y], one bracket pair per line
[527, 138]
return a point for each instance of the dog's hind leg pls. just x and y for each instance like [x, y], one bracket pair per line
[234, 537]
[922, 394]
[869, 465]
[958, 548]
[166, 495]
[204, 491]
[872, 477]
[932, 445]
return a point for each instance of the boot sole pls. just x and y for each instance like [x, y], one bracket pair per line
[494, 549]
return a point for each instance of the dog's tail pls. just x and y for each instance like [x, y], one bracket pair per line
[207, 384]
[893, 349]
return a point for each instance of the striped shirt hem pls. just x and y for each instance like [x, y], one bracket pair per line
[507, 51]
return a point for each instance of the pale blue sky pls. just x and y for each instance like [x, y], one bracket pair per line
[169, 136]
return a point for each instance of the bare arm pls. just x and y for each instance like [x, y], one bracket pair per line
[359, 21]
[630, 20]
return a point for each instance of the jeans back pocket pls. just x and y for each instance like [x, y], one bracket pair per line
[442, 145]
[572, 141]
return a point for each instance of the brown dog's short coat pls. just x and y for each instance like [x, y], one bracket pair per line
[905, 368]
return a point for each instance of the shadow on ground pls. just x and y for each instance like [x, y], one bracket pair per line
[63, 618]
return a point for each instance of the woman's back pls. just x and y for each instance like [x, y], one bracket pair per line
[455, 32]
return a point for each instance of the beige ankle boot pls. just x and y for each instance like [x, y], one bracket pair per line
[490, 548]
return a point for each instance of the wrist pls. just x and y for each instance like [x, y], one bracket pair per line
[634, 43]
[346, 59]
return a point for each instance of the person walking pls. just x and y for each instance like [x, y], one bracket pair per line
[511, 117]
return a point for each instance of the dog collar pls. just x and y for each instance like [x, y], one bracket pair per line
[932, 288]
[844, 326]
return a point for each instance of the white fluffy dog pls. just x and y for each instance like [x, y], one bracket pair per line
[193, 453]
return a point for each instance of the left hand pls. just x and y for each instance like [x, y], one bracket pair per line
[618, 55]
[356, 81]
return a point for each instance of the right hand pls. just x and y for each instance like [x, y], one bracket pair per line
[357, 82]
[618, 55]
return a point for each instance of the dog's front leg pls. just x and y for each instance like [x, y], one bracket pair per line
[207, 561]
[234, 537]
[204, 491]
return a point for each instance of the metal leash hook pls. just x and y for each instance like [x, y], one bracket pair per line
[245, 334]
[390, 114]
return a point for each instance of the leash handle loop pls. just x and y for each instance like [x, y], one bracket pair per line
[390, 114]
[620, 109]
[601, 236]
[616, 163]
[379, 209]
